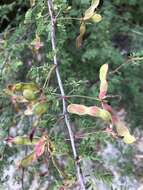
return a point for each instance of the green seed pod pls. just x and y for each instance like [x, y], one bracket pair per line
[28, 160]
[29, 94]
[18, 86]
[23, 140]
[105, 115]
[40, 108]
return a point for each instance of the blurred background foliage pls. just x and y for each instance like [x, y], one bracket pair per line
[116, 40]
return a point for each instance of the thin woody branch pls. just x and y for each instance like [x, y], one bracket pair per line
[60, 84]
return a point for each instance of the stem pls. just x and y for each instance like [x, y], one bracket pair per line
[70, 18]
[60, 84]
[49, 76]
[80, 96]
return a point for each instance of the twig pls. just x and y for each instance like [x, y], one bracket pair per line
[60, 84]
[130, 60]
[70, 18]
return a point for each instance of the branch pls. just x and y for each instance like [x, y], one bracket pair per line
[60, 84]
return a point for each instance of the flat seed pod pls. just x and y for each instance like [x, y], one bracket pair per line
[29, 95]
[105, 115]
[77, 109]
[28, 160]
[22, 86]
[103, 72]
[23, 140]
[103, 81]
[90, 11]
[40, 108]
[96, 18]
[40, 146]
[92, 111]
[121, 129]
[79, 39]
[103, 89]
[129, 139]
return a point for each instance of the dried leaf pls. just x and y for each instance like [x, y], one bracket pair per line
[77, 109]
